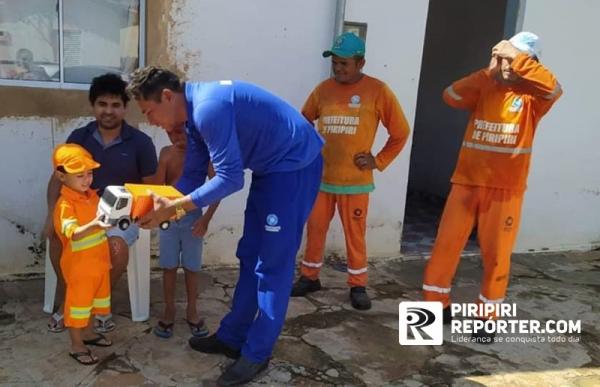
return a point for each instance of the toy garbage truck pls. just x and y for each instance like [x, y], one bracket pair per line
[122, 205]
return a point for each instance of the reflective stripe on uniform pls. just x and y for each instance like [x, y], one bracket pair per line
[496, 149]
[431, 288]
[312, 264]
[555, 92]
[357, 271]
[89, 241]
[66, 224]
[452, 93]
[80, 313]
[497, 301]
[102, 302]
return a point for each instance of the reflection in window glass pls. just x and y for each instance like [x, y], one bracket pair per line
[100, 36]
[29, 40]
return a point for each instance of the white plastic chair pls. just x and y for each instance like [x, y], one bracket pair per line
[138, 278]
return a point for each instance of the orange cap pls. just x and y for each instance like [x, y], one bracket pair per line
[73, 158]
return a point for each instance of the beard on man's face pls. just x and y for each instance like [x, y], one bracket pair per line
[109, 123]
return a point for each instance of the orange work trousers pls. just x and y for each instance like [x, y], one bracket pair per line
[497, 213]
[86, 294]
[353, 214]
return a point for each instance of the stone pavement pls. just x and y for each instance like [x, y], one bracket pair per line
[325, 342]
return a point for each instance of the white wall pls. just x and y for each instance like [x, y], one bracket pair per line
[562, 205]
[25, 163]
[275, 44]
[278, 45]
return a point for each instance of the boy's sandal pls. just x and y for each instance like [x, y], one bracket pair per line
[57, 323]
[104, 324]
[164, 330]
[99, 341]
[80, 356]
[198, 329]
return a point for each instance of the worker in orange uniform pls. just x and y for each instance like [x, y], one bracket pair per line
[506, 101]
[349, 107]
[85, 260]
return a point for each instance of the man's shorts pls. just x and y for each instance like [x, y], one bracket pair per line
[129, 236]
[178, 247]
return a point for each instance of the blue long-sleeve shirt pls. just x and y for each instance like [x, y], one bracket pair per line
[238, 125]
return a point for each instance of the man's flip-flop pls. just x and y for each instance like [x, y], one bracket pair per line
[164, 330]
[99, 341]
[78, 356]
[198, 329]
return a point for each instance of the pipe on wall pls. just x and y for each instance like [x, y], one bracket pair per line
[340, 11]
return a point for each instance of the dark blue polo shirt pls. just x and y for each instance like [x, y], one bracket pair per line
[127, 159]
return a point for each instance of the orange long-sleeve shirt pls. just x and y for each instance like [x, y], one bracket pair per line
[496, 149]
[89, 254]
[348, 117]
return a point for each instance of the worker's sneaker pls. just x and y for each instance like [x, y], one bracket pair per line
[241, 371]
[304, 286]
[212, 344]
[359, 298]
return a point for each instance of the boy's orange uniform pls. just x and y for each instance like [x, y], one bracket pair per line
[491, 174]
[348, 117]
[85, 263]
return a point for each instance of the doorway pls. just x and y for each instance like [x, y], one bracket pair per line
[458, 40]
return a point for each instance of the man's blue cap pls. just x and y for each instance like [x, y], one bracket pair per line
[527, 42]
[346, 45]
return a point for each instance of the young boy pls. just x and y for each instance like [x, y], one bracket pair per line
[85, 259]
[181, 244]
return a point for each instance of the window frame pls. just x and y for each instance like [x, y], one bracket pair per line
[61, 84]
[350, 26]
[121, 203]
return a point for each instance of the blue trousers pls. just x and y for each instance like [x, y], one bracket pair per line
[277, 208]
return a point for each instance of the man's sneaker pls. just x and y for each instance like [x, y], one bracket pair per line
[212, 344]
[241, 371]
[359, 298]
[447, 315]
[304, 286]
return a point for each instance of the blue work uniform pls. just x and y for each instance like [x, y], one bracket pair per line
[238, 125]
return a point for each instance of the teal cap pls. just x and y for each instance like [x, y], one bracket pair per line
[346, 45]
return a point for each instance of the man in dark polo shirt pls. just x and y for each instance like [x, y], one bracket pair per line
[126, 155]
